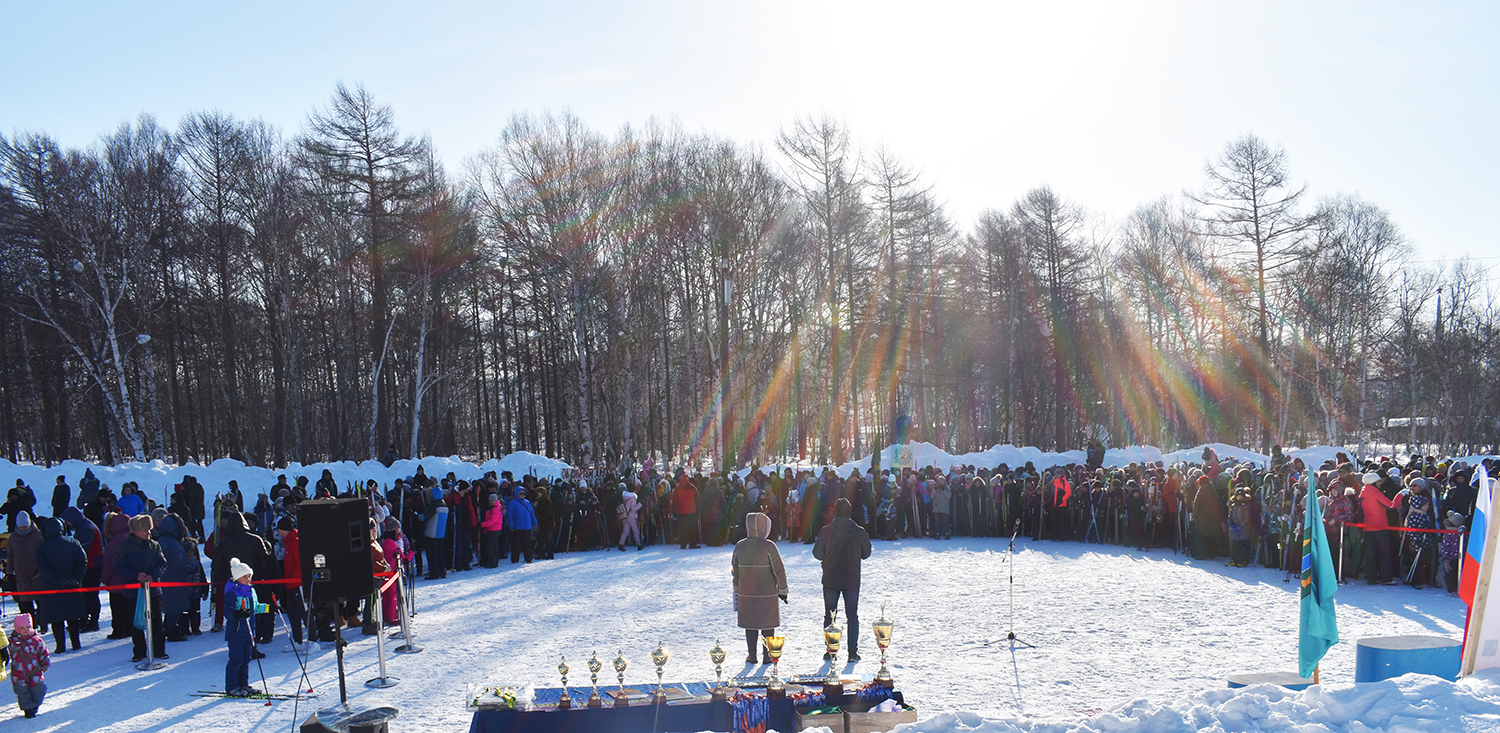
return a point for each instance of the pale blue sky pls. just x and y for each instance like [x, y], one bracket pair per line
[1113, 104]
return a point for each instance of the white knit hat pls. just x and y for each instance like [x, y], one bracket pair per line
[238, 569]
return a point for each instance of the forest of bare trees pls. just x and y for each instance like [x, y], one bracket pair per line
[227, 288]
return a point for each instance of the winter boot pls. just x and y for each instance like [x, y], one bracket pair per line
[73, 637]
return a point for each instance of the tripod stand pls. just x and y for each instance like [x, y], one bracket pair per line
[1010, 554]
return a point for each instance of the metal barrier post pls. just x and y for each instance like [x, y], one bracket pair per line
[150, 664]
[384, 680]
[410, 647]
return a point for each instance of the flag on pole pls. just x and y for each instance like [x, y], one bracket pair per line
[1468, 576]
[1319, 628]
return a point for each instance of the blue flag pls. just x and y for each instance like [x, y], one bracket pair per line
[1319, 628]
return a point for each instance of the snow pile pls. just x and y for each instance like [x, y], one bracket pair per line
[156, 478]
[1410, 703]
[927, 454]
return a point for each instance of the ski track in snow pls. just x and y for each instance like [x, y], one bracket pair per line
[1114, 628]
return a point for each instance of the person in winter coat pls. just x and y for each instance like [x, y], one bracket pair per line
[28, 666]
[490, 529]
[1240, 551]
[390, 547]
[116, 530]
[62, 496]
[291, 569]
[193, 496]
[88, 488]
[942, 502]
[87, 534]
[842, 545]
[239, 627]
[1380, 561]
[546, 523]
[175, 602]
[21, 550]
[131, 503]
[685, 502]
[140, 560]
[1208, 520]
[60, 565]
[464, 525]
[20, 499]
[234, 539]
[326, 487]
[435, 528]
[630, 521]
[1421, 514]
[759, 580]
[521, 518]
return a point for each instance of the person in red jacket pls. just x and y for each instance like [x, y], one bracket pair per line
[291, 593]
[1379, 558]
[685, 501]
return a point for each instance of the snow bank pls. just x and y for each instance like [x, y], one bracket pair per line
[927, 454]
[1410, 703]
[156, 478]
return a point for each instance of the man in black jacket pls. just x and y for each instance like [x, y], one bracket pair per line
[841, 546]
[192, 495]
[140, 560]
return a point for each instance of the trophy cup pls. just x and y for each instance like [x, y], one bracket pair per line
[833, 688]
[620, 665]
[773, 649]
[594, 666]
[717, 655]
[564, 702]
[659, 658]
[883, 629]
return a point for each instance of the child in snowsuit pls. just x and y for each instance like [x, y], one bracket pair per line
[239, 599]
[28, 666]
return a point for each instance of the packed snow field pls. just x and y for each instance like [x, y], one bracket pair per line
[1127, 641]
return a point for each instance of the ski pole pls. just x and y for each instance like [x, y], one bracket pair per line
[1341, 554]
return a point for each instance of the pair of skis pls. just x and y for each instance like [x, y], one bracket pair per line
[259, 696]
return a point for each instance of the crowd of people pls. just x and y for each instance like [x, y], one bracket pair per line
[430, 526]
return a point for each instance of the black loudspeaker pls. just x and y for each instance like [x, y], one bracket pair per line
[334, 537]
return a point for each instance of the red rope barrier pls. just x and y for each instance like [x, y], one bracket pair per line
[133, 586]
[1366, 527]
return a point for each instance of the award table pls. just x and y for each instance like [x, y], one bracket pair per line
[689, 708]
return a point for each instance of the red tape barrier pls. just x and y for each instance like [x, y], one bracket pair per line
[133, 586]
[1366, 527]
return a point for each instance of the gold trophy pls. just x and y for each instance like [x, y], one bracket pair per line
[883, 629]
[717, 655]
[620, 665]
[564, 702]
[594, 666]
[774, 645]
[659, 658]
[833, 688]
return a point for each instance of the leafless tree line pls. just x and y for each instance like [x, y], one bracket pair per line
[223, 290]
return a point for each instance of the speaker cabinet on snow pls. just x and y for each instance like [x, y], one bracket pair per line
[335, 547]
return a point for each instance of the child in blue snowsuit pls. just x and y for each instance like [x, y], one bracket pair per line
[239, 598]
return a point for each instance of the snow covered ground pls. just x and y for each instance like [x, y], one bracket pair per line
[1127, 642]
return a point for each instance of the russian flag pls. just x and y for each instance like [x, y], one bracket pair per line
[1468, 576]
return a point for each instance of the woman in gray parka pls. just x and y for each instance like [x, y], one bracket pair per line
[759, 580]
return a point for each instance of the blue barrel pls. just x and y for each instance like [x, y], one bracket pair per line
[1383, 657]
[1289, 680]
